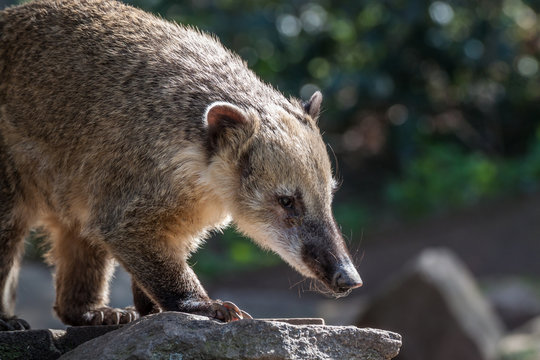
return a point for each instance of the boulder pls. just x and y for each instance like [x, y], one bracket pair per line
[437, 307]
[173, 335]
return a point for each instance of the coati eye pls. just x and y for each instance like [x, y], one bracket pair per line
[286, 201]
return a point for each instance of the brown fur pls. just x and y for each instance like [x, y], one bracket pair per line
[130, 137]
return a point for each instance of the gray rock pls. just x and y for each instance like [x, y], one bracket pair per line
[31, 345]
[184, 336]
[46, 344]
[438, 308]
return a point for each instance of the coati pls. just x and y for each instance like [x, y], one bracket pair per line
[129, 138]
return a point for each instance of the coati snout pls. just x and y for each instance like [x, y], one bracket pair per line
[338, 274]
[130, 138]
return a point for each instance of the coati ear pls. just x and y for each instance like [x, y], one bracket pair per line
[225, 123]
[313, 106]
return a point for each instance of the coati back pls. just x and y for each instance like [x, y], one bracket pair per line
[129, 138]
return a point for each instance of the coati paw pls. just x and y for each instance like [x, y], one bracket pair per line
[226, 311]
[13, 324]
[110, 316]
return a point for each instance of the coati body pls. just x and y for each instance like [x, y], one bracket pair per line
[129, 138]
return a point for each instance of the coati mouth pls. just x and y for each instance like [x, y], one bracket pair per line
[337, 278]
[340, 285]
[325, 289]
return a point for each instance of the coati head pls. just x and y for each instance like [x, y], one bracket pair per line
[276, 178]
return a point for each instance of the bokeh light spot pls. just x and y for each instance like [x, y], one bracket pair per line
[441, 12]
[319, 68]
[527, 66]
[473, 49]
[313, 18]
[288, 25]
[397, 114]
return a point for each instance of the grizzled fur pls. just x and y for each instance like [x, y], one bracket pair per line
[129, 138]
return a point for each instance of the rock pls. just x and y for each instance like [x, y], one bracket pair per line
[298, 321]
[31, 344]
[439, 309]
[46, 344]
[173, 335]
[184, 336]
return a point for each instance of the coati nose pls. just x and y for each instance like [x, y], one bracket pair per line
[346, 277]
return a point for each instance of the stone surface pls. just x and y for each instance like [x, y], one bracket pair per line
[46, 344]
[31, 345]
[437, 307]
[183, 336]
[298, 321]
[256, 339]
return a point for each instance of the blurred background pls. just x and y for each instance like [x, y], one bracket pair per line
[432, 114]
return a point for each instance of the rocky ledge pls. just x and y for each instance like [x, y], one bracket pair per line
[182, 336]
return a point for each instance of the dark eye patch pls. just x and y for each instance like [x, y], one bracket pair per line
[287, 202]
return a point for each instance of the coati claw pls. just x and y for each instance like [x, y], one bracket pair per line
[227, 311]
[110, 316]
[13, 324]
[245, 315]
[232, 312]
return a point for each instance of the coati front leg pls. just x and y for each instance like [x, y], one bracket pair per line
[162, 277]
[83, 271]
[142, 302]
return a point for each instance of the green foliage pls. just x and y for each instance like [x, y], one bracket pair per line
[353, 218]
[447, 177]
[228, 253]
[444, 177]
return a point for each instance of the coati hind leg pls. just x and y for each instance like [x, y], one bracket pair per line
[11, 245]
[12, 231]
[83, 271]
